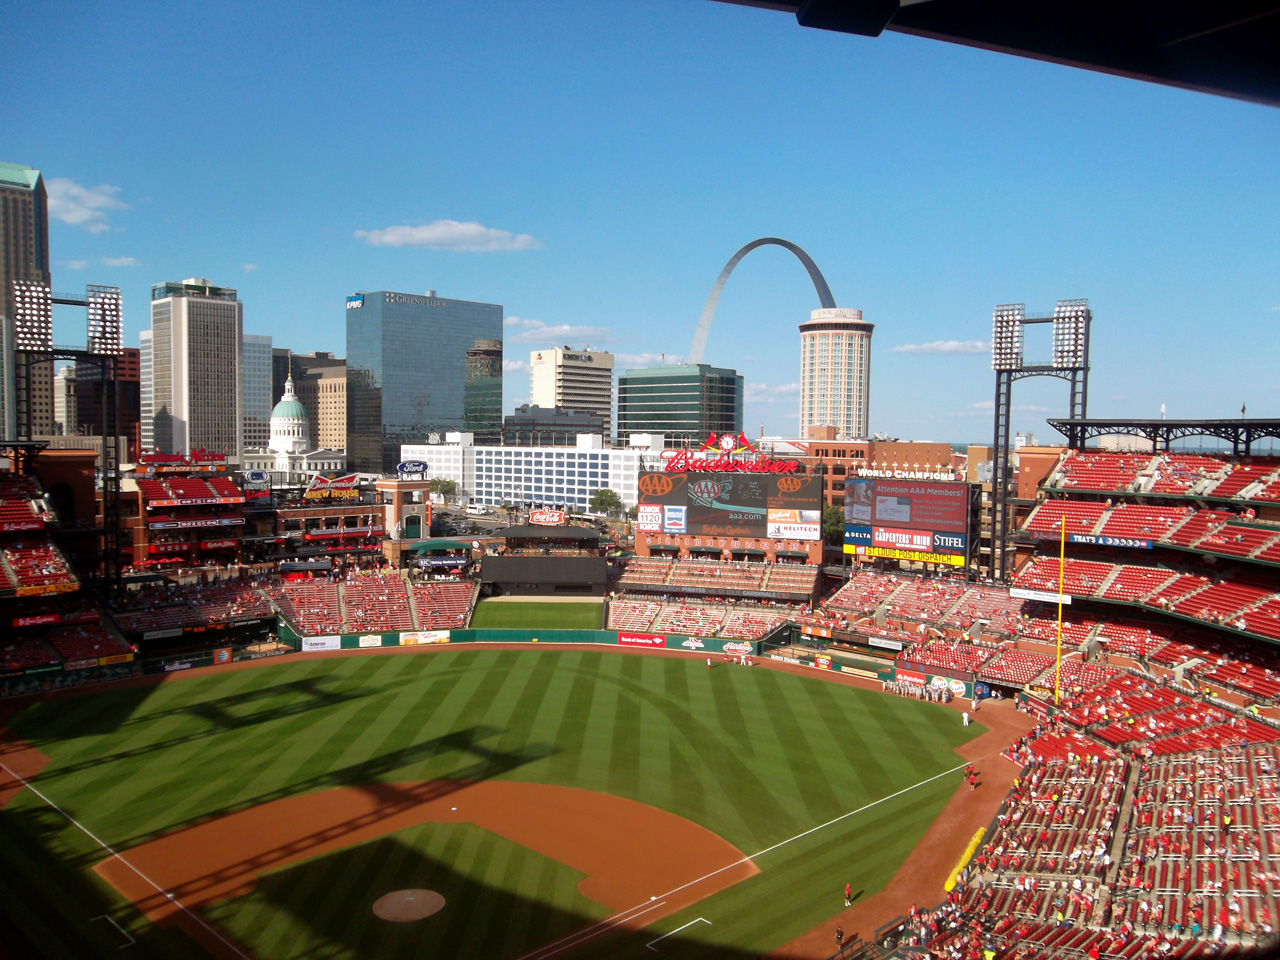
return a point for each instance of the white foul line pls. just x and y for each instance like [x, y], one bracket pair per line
[85, 830]
[651, 943]
[603, 926]
[123, 933]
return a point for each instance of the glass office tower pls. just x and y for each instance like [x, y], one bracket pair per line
[683, 402]
[409, 360]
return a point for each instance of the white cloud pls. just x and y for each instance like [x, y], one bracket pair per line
[748, 359]
[74, 264]
[82, 206]
[638, 361]
[450, 235]
[248, 267]
[119, 262]
[983, 405]
[763, 393]
[514, 366]
[546, 335]
[945, 346]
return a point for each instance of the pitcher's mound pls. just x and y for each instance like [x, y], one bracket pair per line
[402, 906]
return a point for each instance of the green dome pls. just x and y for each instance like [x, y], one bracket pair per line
[289, 409]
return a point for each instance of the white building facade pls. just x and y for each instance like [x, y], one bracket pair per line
[573, 380]
[195, 350]
[540, 476]
[835, 372]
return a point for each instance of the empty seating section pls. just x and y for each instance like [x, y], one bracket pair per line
[1196, 526]
[1237, 540]
[718, 575]
[992, 604]
[925, 599]
[153, 489]
[645, 570]
[189, 487]
[1241, 476]
[1135, 639]
[1264, 619]
[225, 487]
[1218, 603]
[1179, 588]
[796, 578]
[1270, 492]
[632, 614]
[1271, 554]
[442, 606]
[1015, 666]
[1254, 679]
[16, 511]
[19, 653]
[1143, 522]
[1178, 473]
[15, 486]
[1134, 583]
[312, 608]
[84, 641]
[1152, 728]
[1080, 578]
[689, 620]
[747, 624]
[864, 592]
[951, 655]
[1042, 626]
[232, 601]
[1120, 698]
[34, 562]
[1100, 471]
[1079, 517]
[376, 601]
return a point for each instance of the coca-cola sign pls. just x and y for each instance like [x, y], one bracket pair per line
[548, 518]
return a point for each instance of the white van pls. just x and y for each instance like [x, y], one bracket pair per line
[478, 510]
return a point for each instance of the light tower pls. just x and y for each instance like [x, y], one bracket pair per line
[1069, 361]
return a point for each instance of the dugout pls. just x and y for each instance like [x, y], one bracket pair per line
[546, 561]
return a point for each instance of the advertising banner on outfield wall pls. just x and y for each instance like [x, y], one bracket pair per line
[641, 640]
[370, 640]
[423, 637]
[312, 644]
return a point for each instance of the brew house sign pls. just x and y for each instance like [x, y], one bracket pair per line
[725, 454]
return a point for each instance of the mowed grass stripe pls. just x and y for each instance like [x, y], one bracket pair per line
[665, 731]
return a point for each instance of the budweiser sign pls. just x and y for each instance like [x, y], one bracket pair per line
[339, 488]
[683, 461]
[548, 518]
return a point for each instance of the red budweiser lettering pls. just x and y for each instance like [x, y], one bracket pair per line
[682, 461]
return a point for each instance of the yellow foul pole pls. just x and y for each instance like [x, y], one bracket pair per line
[1062, 571]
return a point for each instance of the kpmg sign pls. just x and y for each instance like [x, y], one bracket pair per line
[417, 301]
[356, 302]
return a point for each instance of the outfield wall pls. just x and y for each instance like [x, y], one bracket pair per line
[425, 638]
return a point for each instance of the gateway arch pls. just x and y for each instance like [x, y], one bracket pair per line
[709, 309]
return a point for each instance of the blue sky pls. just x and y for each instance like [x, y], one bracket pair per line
[591, 166]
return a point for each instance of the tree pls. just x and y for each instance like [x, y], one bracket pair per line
[446, 488]
[833, 525]
[605, 500]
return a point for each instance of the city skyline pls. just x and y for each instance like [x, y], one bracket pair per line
[598, 172]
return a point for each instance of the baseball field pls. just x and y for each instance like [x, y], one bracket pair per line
[495, 803]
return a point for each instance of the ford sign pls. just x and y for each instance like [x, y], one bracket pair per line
[411, 466]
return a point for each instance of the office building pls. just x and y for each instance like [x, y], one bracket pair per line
[575, 380]
[24, 260]
[90, 390]
[835, 372]
[194, 358]
[418, 365]
[537, 476]
[534, 426]
[65, 422]
[685, 402]
[255, 391]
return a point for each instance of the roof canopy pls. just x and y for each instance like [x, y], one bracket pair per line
[529, 532]
[431, 546]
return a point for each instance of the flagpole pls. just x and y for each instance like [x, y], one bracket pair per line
[1062, 569]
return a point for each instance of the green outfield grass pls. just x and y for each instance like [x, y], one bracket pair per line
[755, 755]
[509, 614]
